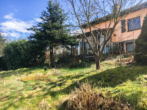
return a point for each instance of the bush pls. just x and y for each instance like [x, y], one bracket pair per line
[64, 60]
[2, 64]
[141, 44]
[22, 53]
[79, 65]
[86, 98]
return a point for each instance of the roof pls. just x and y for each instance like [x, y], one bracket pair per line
[126, 11]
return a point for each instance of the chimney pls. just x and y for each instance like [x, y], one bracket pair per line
[116, 8]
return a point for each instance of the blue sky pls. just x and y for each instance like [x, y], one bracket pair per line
[18, 15]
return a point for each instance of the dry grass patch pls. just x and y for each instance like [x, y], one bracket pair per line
[37, 77]
[87, 98]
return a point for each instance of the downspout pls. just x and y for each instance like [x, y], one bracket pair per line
[97, 41]
[79, 49]
[112, 44]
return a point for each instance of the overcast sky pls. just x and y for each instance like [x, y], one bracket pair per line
[18, 15]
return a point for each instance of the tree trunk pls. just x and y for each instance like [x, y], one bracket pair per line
[51, 56]
[97, 60]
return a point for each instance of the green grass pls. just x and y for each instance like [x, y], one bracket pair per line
[130, 81]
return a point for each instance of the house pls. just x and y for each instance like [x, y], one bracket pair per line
[125, 34]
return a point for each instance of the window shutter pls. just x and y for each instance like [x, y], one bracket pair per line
[123, 27]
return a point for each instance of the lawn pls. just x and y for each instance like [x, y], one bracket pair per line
[35, 88]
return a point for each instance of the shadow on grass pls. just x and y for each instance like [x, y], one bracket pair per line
[116, 76]
[111, 77]
[62, 79]
[4, 74]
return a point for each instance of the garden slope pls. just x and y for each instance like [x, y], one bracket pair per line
[36, 91]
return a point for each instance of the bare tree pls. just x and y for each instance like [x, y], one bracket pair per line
[88, 15]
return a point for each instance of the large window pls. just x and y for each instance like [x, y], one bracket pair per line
[123, 26]
[134, 24]
[129, 47]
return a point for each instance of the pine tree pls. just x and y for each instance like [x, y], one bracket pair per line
[141, 44]
[2, 44]
[52, 31]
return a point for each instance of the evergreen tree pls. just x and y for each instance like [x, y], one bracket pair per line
[52, 31]
[2, 44]
[141, 44]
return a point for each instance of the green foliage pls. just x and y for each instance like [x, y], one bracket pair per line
[79, 65]
[51, 31]
[64, 60]
[141, 44]
[46, 66]
[2, 64]
[2, 44]
[21, 54]
[84, 59]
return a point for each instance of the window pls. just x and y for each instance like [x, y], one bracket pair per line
[80, 47]
[134, 24]
[85, 46]
[107, 49]
[98, 46]
[76, 49]
[123, 26]
[129, 47]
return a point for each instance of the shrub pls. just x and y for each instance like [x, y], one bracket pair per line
[22, 53]
[86, 98]
[79, 65]
[46, 66]
[64, 60]
[2, 64]
[141, 44]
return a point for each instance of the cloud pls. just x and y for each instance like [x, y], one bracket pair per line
[10, 16]
[38, 19]
[14, 34]
[17, 28]
[17, 25]
[4, 34]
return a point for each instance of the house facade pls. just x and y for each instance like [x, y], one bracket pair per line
[125, 34]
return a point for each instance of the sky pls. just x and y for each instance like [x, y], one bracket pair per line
[18, 15]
